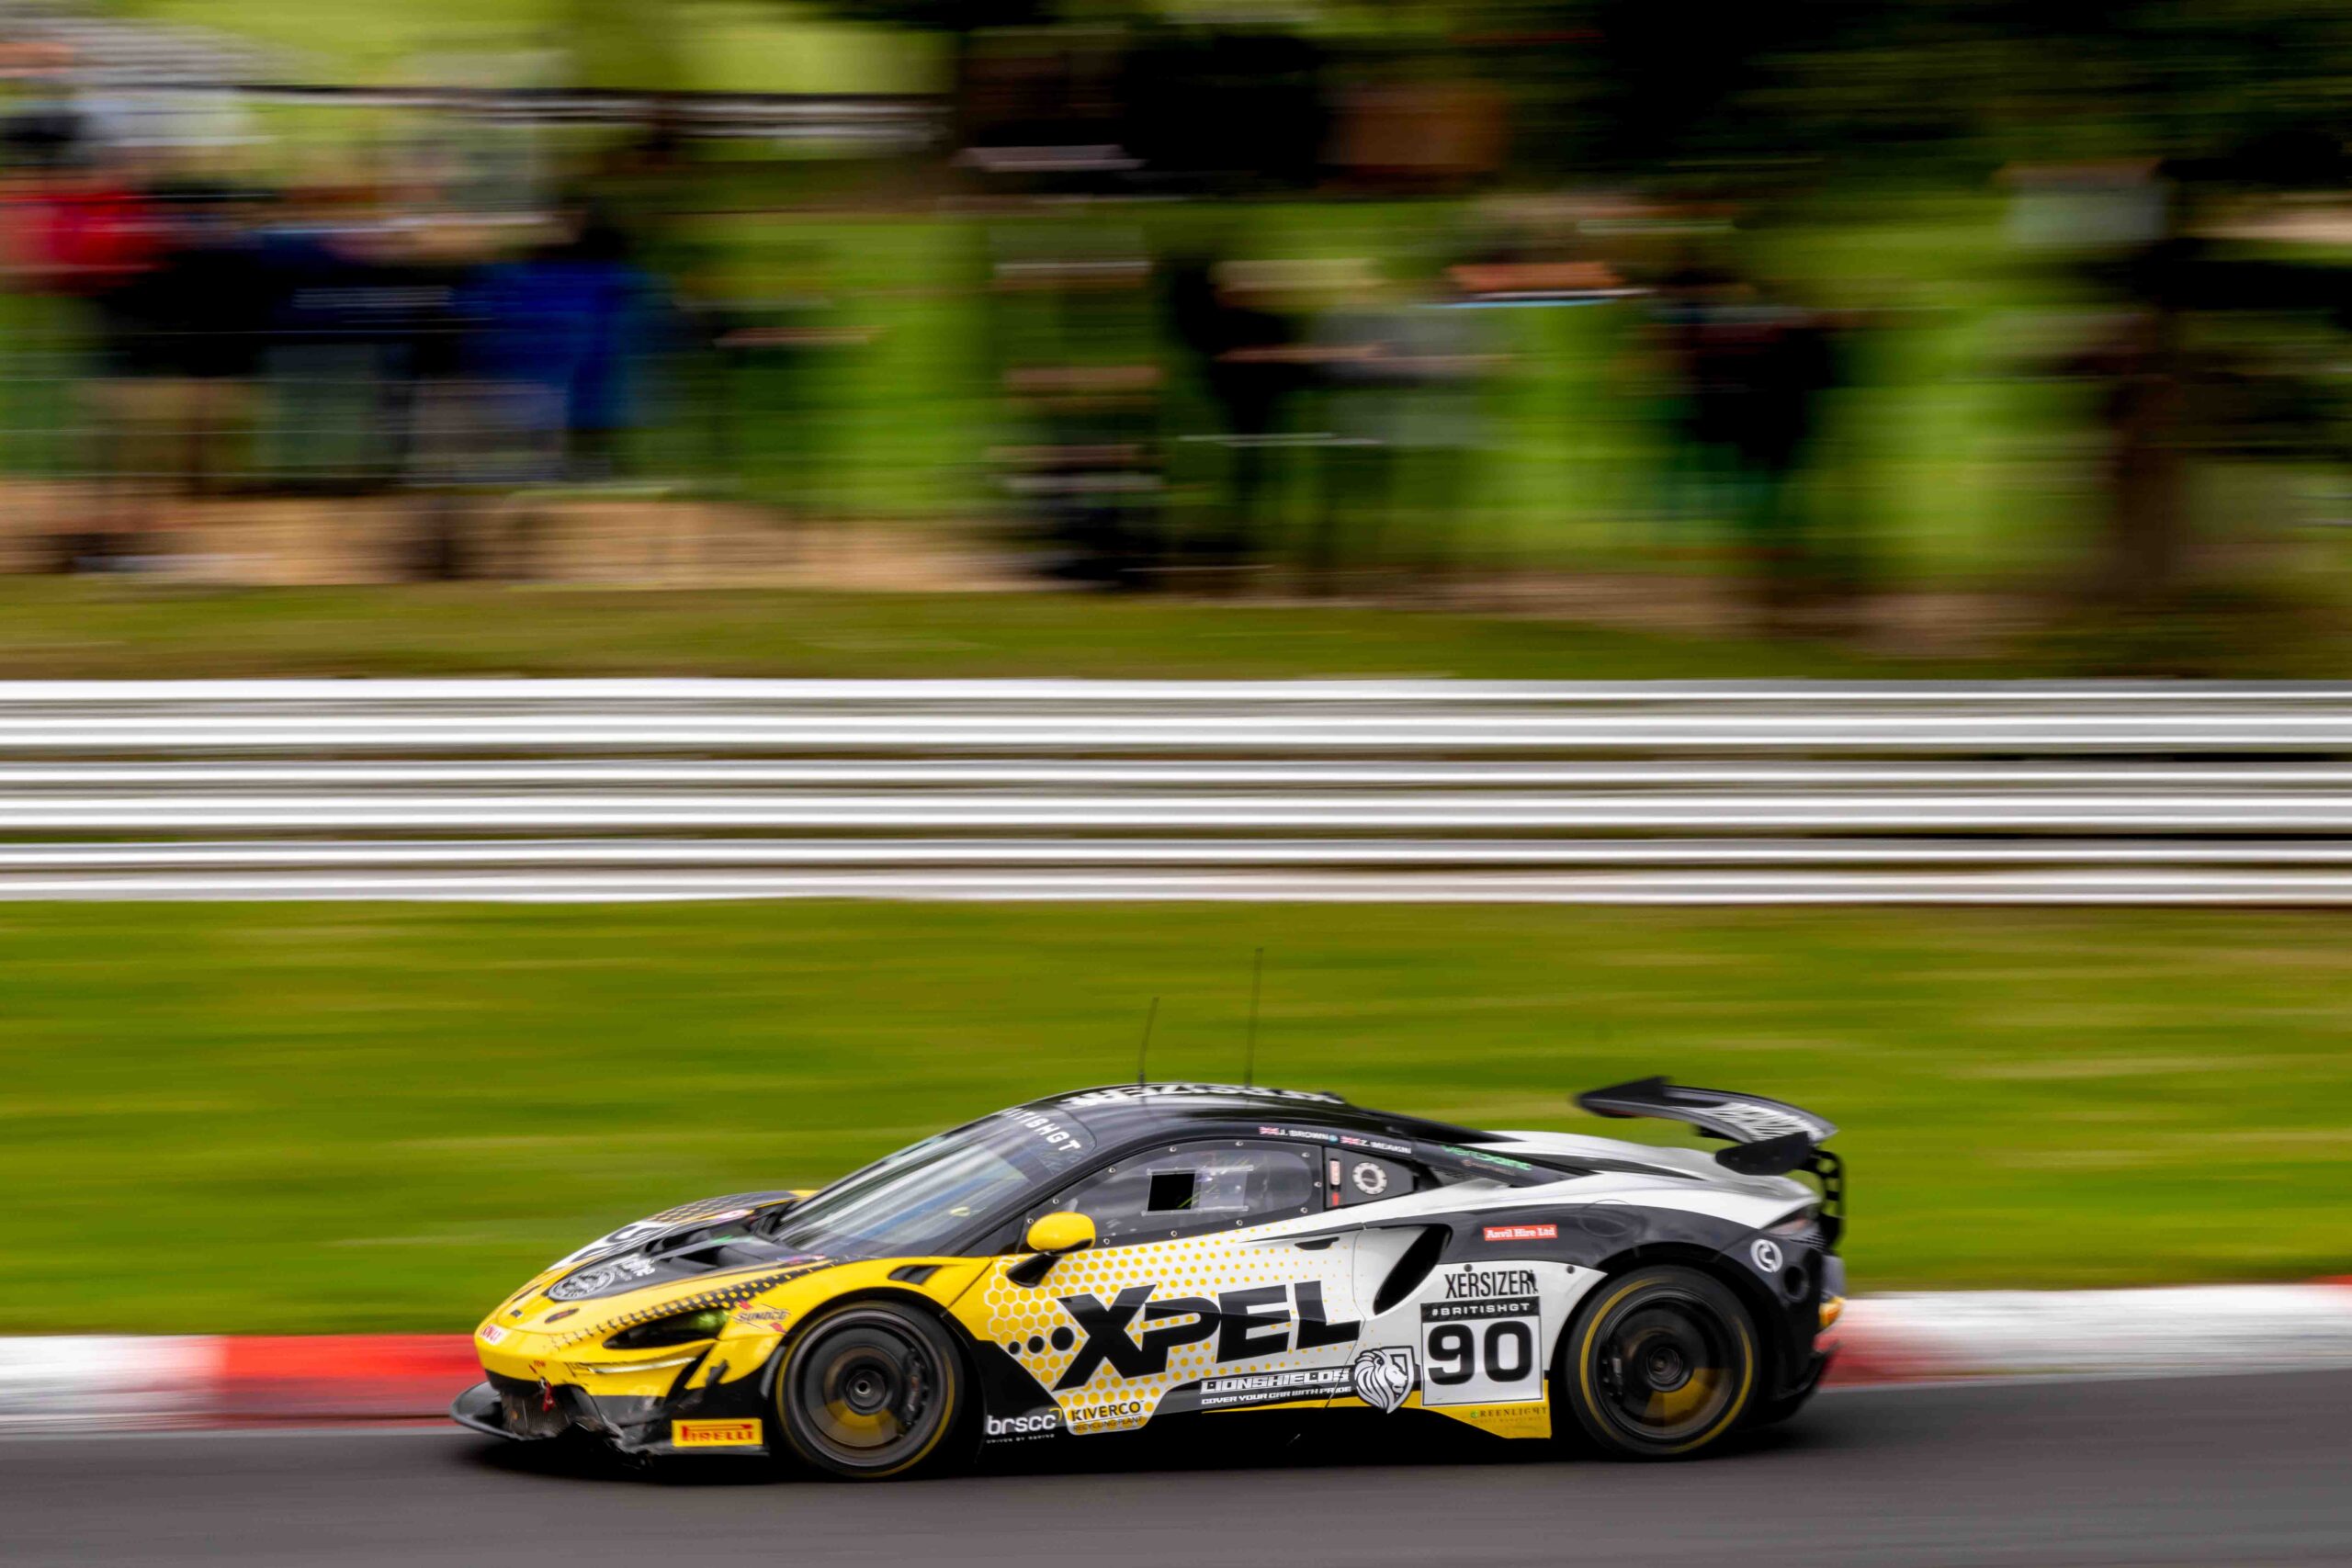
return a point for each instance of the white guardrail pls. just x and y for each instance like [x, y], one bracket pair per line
[1761, 793]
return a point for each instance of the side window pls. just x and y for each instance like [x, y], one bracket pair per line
[1367, 1179]
[1193, 1188]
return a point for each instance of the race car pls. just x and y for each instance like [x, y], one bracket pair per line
[1126, 1257]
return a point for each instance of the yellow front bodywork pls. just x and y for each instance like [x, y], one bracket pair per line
[531, 1338]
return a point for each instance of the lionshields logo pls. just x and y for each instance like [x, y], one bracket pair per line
[1383, 1378]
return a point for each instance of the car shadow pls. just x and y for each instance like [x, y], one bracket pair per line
[1328, 1440]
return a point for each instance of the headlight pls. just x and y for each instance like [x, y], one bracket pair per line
[600, 1278]
[678, 1328]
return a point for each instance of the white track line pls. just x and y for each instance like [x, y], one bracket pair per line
[675, 690]
[2051, 887]
[936, 771]
[1246, 733]
[1249, 853]
[468, 812]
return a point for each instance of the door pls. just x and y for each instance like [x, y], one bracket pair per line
[1199, 1293]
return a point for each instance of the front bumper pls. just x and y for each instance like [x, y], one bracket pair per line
[507, 1407]
[479, 1408]
[538, 1411]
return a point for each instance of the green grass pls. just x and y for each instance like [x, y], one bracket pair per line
[249, 1118]
[128, 628]
[51, 628]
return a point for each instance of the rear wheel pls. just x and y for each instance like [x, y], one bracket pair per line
[870, 1391]
[1660, 1361]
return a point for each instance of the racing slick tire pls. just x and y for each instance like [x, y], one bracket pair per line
[870, 1391]
[1784, 1408]
[1660, 1361]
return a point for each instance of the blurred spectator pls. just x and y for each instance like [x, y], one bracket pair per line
[1754, 378]
[1072, 310]
[1403, 378]
[1240, 352]
[554, 332]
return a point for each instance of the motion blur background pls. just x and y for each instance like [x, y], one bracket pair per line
[1919, 324]
[1595, 338]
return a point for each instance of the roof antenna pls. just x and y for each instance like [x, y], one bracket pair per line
[1143, 1047]
[1249, 1052]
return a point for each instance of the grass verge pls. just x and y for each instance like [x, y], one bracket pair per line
[288, 1118]
[62, 628]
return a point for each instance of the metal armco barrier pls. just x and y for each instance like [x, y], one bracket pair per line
[1434, 791]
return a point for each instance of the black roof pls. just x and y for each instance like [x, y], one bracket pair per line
[1116, 1113]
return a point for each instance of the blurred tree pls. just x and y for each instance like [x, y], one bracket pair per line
[1749, 104]
[626, 43]
[1746, 103]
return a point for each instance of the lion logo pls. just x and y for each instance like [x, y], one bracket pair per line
[1383, 1378]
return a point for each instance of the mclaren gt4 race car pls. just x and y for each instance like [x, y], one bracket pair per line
[1107, 1261]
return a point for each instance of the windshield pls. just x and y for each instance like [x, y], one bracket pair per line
[921, 1197]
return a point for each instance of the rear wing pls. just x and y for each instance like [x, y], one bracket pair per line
[1767, 1137]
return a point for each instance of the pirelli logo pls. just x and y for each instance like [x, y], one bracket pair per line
[715, 1434]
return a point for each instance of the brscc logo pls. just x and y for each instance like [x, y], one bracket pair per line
[1022, 1426]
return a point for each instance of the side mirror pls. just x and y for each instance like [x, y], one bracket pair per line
[1065, 1231]
[1050, 1237]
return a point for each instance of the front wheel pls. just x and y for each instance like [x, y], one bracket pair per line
[871, 1391]
[1660, 1361]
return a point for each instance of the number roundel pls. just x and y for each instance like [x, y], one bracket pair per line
[1503, 1353]
[1482, 1337]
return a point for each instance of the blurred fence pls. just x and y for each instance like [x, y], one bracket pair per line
[1434, 791]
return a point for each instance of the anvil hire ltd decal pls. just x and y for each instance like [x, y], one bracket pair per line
[1482, 1337]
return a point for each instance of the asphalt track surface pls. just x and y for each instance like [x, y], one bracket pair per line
[2240, 1470]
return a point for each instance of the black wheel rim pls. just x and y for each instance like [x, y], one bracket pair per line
[870, 1392]
[1667, 1367]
